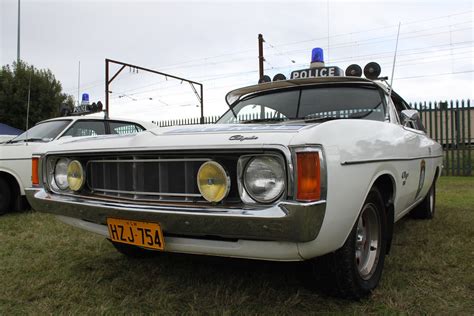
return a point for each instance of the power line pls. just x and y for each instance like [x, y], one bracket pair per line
[403, 53]
[173, 66]
[437, 75]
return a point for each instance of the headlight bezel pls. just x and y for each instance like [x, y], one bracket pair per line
[244, 193]
[50, 174]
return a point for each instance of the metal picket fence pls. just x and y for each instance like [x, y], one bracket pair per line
[448, 122]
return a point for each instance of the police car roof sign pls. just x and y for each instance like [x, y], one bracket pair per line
[317, 72]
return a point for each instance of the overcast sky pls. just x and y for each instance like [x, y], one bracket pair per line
[216, 43]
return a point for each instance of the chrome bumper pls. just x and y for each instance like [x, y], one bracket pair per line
[286, 221]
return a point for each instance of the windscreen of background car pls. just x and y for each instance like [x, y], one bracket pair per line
[45, 131]
[335, 101]
[86, 128]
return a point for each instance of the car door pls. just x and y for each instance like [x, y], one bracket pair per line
[415, 152]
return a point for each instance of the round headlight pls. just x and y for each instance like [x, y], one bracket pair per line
[75, 175]
[60, 173]
[264, 179]
[213, 181]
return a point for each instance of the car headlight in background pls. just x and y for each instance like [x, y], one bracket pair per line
[264, 178]
[75, 175]
[213, 181]
[60, 173]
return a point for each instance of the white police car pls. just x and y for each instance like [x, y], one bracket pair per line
[316, 168]
[15, 154]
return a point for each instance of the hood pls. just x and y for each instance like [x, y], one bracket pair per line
[189, 137]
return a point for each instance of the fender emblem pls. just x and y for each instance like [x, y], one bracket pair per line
[404, 177]
[241, 138]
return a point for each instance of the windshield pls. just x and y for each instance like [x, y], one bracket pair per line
[45, 132]
[310, 103]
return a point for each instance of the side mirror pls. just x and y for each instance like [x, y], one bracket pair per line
[408, 116]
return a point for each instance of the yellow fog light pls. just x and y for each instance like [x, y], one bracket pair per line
[213, 181]
[75, 175]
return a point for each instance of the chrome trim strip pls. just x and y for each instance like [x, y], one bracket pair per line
[6, 159]
[148, 160]
[354, 162]
[148, 193]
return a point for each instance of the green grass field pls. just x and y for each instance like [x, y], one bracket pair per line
[47, 267]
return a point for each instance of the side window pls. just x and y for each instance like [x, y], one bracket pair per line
[124, 128]
[86, 128]
[401, 105]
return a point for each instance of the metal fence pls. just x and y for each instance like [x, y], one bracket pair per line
[448, 122]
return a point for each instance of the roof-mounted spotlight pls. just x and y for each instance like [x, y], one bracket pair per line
[278, 77]
[372, 70]
[354, 71]
[265, 79]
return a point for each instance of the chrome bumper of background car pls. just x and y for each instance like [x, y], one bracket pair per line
[286, 221]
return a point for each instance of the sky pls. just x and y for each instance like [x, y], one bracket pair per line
[215, 43]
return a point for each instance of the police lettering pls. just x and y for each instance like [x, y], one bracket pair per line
[317, 72]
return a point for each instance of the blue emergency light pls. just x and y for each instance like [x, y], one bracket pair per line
[317, 55]
[85, 97]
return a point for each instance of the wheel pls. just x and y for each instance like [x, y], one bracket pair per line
[5, 196]
[355, 270]
[426, 209]
[133, 251]
[20, 203]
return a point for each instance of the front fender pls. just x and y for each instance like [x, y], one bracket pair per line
[348, 187]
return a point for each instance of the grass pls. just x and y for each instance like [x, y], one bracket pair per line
[47, 267]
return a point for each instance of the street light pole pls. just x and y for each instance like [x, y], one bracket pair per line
[18, 40]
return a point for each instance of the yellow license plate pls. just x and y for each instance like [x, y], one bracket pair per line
[143, 234]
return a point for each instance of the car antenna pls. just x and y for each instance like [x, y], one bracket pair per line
[394, 61]
[28, 107]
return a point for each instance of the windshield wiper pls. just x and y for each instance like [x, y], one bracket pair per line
[325, 118]
[274, 119]
[31, 139]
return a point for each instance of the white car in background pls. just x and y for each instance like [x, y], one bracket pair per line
[15, 154]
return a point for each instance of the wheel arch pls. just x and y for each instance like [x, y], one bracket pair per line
[386, 185]
[13, 180]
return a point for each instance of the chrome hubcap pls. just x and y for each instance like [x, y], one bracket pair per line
[368, 237]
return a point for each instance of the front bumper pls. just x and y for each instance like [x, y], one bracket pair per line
[285, 221]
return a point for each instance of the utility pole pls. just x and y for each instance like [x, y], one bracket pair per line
[261, 59]
[18, 39]
[79, 84]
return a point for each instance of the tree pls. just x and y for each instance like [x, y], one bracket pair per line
[45, 99]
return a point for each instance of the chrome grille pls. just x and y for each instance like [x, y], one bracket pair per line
[145, 179]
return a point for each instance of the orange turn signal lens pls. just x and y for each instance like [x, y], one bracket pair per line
[309, 176]
[34, 171]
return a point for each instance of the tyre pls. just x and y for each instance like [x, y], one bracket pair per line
[19, 203]
[133, 251]
[5, 196]
[426, 209]
[355, 270]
